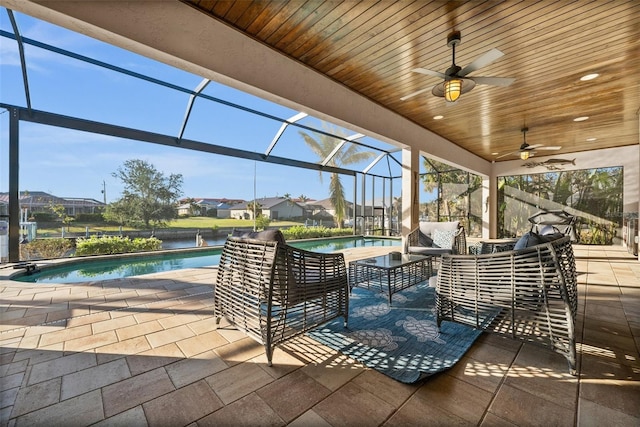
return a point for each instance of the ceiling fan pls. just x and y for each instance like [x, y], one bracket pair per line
[527, 150]
[455, 80]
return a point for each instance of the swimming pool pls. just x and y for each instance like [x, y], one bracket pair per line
[87, 269]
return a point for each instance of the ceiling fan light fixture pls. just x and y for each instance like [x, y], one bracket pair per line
[524, 155]
[452, 89]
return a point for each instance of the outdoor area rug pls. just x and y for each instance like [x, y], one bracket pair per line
[401, 341]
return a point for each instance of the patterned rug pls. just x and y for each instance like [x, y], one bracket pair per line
[401, 341]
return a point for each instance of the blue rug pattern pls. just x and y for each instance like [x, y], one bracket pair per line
[401, 341]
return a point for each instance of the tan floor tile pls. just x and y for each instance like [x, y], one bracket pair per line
[238, 381]
[134, 391]
[65, 335]
[418, 412]
[121, 349]
[40, 354]
[195, 368]
[482, 374]
[309, 419]
[133, 417]
[37, 396]
[351, 405]
[544, 373]
[82, 410]
[384, 387]
[61, 366]
[203, 326]
[240, 351]
[110, 325]
[93, 378]
[13, 367]
[8, 397]
[180, 319]
[138, 330]
[182, 406]
[610, 385]
[11, 381]
[284, 362]
[522, 408]
[90, 342]
[591, 414]
[292, 395]
[201, 343]
[335, 371]
[248, 411]
[455, 396]
[81, 317]
[158, 339]
[491, 420]
[154, 358]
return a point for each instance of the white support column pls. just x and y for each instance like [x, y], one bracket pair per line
[410, 190]
[490, 206]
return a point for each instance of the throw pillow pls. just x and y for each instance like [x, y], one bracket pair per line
[531, 239]
[424, 240]
[528, 239]
[443, 238]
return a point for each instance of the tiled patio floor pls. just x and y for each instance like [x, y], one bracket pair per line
[145, 351]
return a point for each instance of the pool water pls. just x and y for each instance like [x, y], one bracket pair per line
[99, 269]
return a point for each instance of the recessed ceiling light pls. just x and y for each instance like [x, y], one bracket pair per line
[591, 139]
[494, 154]
[438, 117]
[581, 119]
[589, 77]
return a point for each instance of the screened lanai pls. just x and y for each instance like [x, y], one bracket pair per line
[77, 105]
[290, 92]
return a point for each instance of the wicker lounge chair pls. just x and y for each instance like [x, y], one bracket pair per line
[528, 293]
[437, 238]
[273, 291]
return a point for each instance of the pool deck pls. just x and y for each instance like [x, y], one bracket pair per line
[145, 351]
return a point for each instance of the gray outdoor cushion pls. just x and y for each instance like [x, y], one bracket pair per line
[265, 236]
[423, 250]
[427, 227]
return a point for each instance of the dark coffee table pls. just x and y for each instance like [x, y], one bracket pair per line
[386, 275]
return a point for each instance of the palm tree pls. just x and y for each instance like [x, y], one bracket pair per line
[287, 197]
[323, 146]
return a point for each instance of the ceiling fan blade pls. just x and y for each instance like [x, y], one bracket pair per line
[493, 81]
[481, 61]
[411, 95]
[429, 72]
[550, 147]
[508, 154]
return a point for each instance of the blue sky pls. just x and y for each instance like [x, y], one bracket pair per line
[75, 164]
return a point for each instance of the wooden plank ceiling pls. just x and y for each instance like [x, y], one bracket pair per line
[372, 47]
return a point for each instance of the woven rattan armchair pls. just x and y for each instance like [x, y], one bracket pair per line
[437, 238]
[529, 293]
[273, 291]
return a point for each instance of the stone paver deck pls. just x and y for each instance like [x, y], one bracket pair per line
[146, 351]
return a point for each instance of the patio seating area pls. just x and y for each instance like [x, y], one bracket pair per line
[145, 351]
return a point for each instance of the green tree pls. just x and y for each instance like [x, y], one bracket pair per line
[149, 197]
[255, 208]
[323, 145]
[194, 207]
[61, 212]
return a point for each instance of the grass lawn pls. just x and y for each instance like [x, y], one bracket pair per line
[200, 222]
